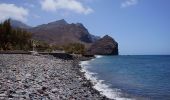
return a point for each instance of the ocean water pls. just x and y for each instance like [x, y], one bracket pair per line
[130, 77]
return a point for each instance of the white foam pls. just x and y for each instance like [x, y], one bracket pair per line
[99, 85]
[98, 56]
[84, 63]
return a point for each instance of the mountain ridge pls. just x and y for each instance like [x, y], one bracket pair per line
[104, 46]
[61, 30]
[61, 33]
[19, 24]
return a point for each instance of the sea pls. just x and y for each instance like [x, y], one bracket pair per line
[130, 77]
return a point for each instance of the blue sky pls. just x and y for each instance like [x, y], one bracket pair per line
[139, 26]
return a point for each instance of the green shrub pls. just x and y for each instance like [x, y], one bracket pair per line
[13, 39]
[76, 48]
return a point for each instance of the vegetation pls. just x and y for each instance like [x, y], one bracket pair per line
[76, 48]
[19, 39]
[42, 46]
[13, 39]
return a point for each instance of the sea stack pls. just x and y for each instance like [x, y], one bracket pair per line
[104, 46]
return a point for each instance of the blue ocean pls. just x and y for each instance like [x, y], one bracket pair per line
[130, 77]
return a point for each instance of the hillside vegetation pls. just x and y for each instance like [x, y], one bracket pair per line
[14, 39]
[19, 39]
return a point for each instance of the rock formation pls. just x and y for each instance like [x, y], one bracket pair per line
[104, 46]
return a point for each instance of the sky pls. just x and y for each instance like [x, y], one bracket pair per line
[141, 27]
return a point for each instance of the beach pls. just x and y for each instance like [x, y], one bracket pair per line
[43, 77]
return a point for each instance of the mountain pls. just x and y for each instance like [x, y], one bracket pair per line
[104, 46]
[60, 32]
[94, 38]
[18, 24]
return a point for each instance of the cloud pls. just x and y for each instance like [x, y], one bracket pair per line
[70, 5]
[13, 11]
[128, 3]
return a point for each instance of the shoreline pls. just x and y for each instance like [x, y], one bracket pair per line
[100, 85]
[103, 87]
[44, 77]
[97, 84]
[88, 82]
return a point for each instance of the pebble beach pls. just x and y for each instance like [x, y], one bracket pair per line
[43, 77]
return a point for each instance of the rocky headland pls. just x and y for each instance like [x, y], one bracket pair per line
[104, 46]
[43, 77]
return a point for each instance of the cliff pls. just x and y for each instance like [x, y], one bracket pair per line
[104, 46]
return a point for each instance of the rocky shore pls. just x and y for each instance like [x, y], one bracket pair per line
[43, 77]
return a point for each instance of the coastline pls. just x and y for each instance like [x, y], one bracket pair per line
[101, 85]
[88, 81]
[44, 77]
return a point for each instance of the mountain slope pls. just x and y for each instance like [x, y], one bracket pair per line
[61, 33]
[104, 46]
[18, 24]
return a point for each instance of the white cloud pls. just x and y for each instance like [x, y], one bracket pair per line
[70, 5]
[128, 3]
[13, 11]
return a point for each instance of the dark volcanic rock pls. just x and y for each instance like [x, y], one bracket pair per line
[61, 33]
[104, 46]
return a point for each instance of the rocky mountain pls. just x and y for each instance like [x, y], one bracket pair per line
[18, 24]
[104, 46]
[94, 38]
[61, 33]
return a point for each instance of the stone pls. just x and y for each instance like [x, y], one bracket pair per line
[44, 88]
[2, 95]
[61, 80]
[40, 91]
[28, 75]
[54, 90]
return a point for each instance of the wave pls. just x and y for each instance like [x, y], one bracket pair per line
[98, 56]
[100, 85]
